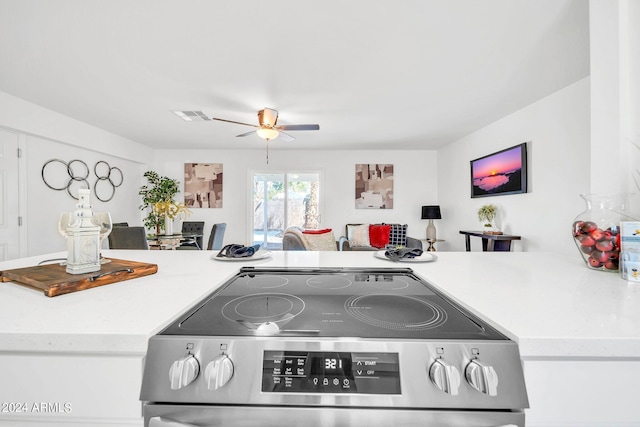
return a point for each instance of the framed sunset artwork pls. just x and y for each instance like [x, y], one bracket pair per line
[500, 173]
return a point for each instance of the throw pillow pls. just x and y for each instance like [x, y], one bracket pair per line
[358, 235]
[398, 235]
[379, 235]
[324, 241]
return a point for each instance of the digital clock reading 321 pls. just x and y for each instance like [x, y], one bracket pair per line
[332, 364]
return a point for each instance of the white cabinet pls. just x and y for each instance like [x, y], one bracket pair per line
[582, 392]
[69, 389]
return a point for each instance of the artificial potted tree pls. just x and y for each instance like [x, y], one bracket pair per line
[487, 215]
[158, 190]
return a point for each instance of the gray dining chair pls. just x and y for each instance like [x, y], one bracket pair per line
[217, 236]
[196, 227]
[128, 238]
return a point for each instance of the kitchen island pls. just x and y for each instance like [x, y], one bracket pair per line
[78, 358]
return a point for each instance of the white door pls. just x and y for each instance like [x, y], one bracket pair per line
[9, 202]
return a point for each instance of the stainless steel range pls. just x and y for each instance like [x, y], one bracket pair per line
[331, 347]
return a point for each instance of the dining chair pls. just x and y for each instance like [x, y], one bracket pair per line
[196, 227]
[128, 238]
[217, 236]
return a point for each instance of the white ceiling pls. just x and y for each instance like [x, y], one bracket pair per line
[375, 74]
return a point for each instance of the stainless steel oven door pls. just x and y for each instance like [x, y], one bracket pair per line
[157, 415]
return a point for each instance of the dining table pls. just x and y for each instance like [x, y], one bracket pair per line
[173, 241]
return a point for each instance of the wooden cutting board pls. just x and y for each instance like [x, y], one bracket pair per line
[54, 280]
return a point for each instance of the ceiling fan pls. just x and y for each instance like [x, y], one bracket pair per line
[268, 126]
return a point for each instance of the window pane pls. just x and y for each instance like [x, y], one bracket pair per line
[302, 200]
[280, 203]
[268, 210]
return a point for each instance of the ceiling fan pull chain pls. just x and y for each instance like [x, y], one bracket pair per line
[267, 151]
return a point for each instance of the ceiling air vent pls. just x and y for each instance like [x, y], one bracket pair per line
[192, 116]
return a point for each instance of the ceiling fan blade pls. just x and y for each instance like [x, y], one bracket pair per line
[246, 134]
[285, 137]
[298, 127]
[232, 121]
[267, 117]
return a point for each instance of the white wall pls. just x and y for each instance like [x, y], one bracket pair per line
[606, 97]
[631, 87]
[20, 115]
[414, 185]
[615, 97]
[51, 135]
[557, 128]
[45, 135]
[45, 204]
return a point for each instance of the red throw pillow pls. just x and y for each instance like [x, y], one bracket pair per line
[379, 235]
[321, 231]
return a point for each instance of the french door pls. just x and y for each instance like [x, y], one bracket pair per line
[281, 200]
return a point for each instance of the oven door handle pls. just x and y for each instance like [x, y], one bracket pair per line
[166, 422]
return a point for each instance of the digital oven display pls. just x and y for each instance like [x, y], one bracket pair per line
[330, 372]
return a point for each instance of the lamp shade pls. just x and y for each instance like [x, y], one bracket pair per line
[431, 212]
[267, 133]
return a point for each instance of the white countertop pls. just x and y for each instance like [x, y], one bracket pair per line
[553, 306]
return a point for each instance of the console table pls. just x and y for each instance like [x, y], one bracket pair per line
[490, 242]
[429, 245]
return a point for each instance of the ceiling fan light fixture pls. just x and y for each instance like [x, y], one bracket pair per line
[267, 133]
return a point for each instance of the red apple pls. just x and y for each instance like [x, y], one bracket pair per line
[604, 245]
[586, 249]
[586, 240]
[611, 264]
[588, 226]
[597, 234]
[594, 262]
[600, 256]
[577, 228]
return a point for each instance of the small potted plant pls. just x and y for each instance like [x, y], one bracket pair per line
[486, 215]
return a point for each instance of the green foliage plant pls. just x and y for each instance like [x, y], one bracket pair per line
[158, 189]
[486, 215]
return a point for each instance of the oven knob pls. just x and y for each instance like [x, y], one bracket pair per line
[445, 376]
[482, 377]
[183, 372]
[218, 372]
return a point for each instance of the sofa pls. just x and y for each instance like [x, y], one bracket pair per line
[359, 237]
[299, 239]
[375, 237]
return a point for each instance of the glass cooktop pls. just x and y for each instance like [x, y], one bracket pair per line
[336, 302]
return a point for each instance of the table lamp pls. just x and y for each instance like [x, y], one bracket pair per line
[431, 213]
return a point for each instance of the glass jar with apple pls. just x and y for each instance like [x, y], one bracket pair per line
[596, 231]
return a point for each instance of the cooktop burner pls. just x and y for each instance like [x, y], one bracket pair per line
[410, 313]
[381, 303]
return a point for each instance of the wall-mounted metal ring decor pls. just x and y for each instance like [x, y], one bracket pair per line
[73, 175]
[112, 175]
[108, 177]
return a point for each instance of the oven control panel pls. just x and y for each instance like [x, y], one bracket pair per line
[330, 372]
